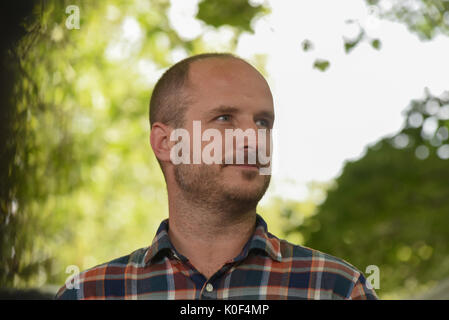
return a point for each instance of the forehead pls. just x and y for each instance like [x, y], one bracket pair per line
[227, 81]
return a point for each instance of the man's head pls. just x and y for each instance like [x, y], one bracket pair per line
[222, 92]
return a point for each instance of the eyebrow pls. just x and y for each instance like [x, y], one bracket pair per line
[222, 109]
[232, 110]
[267, 114]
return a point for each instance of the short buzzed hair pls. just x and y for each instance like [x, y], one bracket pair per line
[168, 102]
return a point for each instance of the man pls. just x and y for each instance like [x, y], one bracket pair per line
[214, 244]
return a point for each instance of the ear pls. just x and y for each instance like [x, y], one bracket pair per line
[160, 141]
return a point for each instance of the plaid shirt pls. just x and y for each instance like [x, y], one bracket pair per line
[266, 268]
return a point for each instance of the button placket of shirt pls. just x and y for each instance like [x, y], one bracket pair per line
[208, 286]
[188, 270]
[208, 291]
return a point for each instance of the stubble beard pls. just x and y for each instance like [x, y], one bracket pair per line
[203, 185]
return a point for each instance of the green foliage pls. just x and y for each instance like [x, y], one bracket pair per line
[321, 64]
[83, 185]
[390, 207]
[426, 18]
[351, 44]
[376, 43]
[20, 189]
[307, 45]
[236, 13]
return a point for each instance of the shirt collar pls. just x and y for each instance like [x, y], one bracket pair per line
[261, 240]
[161, 243]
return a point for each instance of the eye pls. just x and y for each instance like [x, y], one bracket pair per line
[224, 117]
[263, 123]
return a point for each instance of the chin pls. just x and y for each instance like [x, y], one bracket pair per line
[245, 190]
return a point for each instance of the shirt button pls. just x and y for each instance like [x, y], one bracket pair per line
[209, 287]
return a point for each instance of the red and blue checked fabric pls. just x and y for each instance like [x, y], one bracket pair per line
[266, 268]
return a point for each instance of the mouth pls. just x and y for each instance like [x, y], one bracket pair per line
[244, 166]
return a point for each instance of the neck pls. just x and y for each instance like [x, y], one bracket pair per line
[208, 236]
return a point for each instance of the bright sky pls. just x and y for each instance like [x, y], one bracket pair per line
[325, 118]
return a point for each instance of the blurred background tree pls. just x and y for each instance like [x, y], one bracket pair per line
[391, 207]
[80, 185]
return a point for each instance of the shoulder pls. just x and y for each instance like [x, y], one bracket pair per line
[91, 283]
[330, 276]
[316, 258]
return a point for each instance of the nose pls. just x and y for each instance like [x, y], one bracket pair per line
[249, 128]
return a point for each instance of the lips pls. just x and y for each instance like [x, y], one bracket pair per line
[244, 166]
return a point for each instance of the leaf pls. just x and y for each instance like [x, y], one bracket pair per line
[321, 64]
[376, 44]
[236, 13]
[307, 45]
[350, 45]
